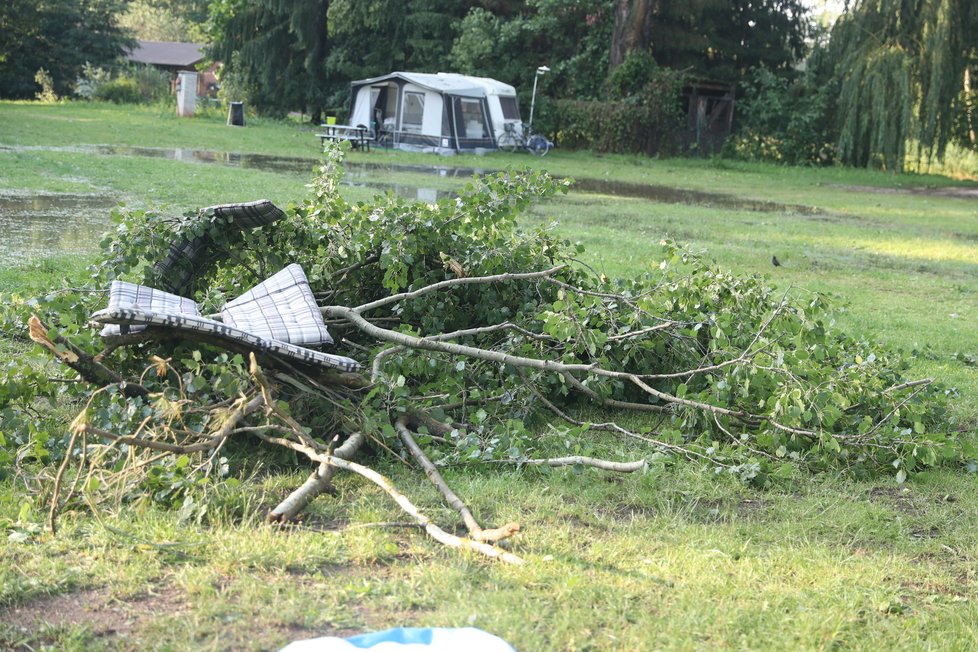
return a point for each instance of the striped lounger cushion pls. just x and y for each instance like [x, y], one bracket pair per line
[281, 308]
[203, 325]
[139, 297]
[275, 316]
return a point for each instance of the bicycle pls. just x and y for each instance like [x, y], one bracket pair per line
[513, 138]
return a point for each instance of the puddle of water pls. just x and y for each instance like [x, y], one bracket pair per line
[43, 225]
[282, 164]
[48, 224]
[670, 195]
[365, 174]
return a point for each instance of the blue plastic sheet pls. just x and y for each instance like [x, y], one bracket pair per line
[405, 639]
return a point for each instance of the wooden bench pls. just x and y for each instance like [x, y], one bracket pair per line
[359, 136]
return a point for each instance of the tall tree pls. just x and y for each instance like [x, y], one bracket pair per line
[274, 51]
[902, 65]
[166, 20]
[374, 37]
[510, 42]
[715, 39]
[59, 36]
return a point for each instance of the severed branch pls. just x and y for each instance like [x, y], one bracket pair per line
[475, 530]
[610, 402]
[86, 366]
[377, 364]
[409, 508]
[575, 460]
[432, 344]
[318, 482]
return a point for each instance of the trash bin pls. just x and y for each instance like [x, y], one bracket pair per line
[236, 114]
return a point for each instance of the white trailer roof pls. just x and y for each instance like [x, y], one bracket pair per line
[447, 82]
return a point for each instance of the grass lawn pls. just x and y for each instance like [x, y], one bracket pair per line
[681, 559]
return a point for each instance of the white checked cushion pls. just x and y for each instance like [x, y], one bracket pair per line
[280, 308]
[197, 324]
[123, 294]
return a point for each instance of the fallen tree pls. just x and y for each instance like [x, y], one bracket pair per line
[474, 337]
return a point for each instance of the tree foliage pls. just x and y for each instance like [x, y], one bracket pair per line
[273, 51]
[571, 37]
[901, 64]
[166, 20]
[712, 39]
[59, 36]
[784, 120]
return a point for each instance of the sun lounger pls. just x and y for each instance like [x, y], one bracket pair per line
[279, 316]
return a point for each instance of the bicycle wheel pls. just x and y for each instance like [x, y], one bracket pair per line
[538, 145]
[507, 142]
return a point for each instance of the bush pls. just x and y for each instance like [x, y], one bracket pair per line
[154, 84]
[642, 115]
[45, 81]
[122, 90]
[783, 121]
[92, 78]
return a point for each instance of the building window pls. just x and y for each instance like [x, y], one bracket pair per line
[413, 113]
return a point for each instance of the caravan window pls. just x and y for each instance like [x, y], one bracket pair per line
[472, 120]
[413, 113]
[510, 109]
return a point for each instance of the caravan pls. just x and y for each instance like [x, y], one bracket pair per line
[444, 112]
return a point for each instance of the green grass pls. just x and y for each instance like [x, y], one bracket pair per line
[680, 559]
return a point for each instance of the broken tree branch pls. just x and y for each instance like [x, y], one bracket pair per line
[402, 501]
[87, 366]
[441, 285]
[475, 530]
[318, 482]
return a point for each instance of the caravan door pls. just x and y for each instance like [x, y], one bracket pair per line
[472, 125]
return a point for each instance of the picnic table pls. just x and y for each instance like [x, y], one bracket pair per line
[359, 136]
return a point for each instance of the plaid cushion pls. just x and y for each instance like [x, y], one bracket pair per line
[197, 324]
[139, 297]
[189, 257]
[281, 308]
[249, 215]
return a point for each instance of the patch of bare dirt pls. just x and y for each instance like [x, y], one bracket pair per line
[104, 614]
[897, 497]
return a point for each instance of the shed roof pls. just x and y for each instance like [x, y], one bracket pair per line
[167, 53]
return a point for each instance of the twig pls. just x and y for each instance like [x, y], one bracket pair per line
[55, 507]
[214, 440]
[912, 383]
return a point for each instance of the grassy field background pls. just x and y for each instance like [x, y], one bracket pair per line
[676, 560]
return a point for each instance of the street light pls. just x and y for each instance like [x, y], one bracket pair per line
[542, 70]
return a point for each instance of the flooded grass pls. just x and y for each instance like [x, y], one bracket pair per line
[42, 225]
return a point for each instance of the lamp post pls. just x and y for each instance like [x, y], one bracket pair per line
[542, 70]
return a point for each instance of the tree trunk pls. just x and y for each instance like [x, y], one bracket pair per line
[633, 29]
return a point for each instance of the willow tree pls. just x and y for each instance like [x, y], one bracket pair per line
[902, 66]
